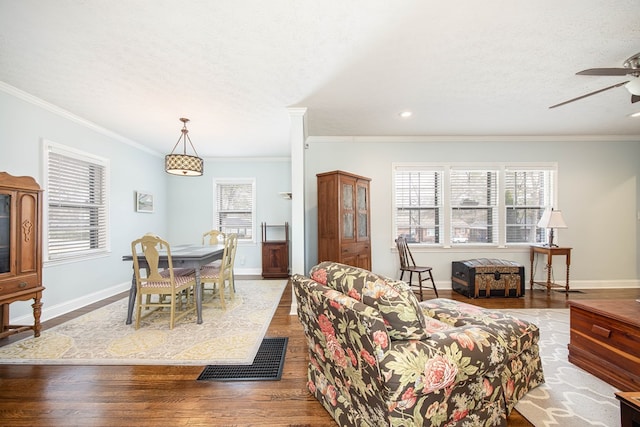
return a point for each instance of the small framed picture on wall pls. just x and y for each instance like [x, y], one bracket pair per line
[144, 201]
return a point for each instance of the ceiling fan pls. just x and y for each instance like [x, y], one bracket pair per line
[630, 67]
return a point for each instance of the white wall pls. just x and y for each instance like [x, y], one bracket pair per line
[191, 207]
[183, 206]
[24, 123]
[598, 194]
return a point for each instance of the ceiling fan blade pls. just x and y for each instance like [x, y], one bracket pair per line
[608, 71]
[589, 94]
[635, 98]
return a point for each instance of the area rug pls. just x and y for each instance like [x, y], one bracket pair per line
[570, 397]
[226, 336]
[266, 366]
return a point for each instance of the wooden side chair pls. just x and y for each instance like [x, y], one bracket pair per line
[174, 288]
[213, 237]
[407, 264]
[221, 276]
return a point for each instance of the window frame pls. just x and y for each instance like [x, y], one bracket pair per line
[103, 229]
[217, 182]
[501, 168]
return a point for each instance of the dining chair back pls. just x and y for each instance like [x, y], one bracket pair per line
[172, 287]
[408, 264]
[221, 276]
[213, 237]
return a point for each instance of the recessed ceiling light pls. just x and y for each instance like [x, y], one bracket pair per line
[406, 114]
[637, 114]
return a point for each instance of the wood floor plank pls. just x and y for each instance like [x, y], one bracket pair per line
[57, 395]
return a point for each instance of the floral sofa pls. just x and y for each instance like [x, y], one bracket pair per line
[378, 357]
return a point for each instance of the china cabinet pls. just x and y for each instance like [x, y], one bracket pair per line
[20, 249]
[344, 221]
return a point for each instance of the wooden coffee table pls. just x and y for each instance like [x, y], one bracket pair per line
[605, 340]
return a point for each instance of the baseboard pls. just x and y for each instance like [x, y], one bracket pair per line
[69, 306]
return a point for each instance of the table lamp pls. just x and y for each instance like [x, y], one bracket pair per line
[552, 219]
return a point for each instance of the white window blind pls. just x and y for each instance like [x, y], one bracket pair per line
[418, 195]
[465, 204]
[235, 207]
[527, 194]
[77, 204]
[474, 203]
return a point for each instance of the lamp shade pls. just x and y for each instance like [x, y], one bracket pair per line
[183, 165]
[552, 219]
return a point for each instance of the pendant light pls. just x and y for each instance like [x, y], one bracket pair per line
[183, 164]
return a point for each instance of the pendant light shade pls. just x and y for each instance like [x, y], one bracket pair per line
[184, 164]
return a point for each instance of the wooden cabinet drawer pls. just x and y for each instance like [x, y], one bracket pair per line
[608, 332]
[606, 339]
[19, 283]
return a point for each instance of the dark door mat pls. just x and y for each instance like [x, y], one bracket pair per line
[267, 365]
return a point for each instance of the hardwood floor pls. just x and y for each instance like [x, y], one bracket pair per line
[52, 395]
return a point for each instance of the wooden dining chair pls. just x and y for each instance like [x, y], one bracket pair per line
[213, 237]
[173, 287]
[221, 277]
[407, 264]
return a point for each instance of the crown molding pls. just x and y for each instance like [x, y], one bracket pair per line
[4, 87]
[466, 138]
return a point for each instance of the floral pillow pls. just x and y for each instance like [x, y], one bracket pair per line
[394, 299]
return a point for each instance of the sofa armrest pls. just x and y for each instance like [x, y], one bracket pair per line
[346, 340]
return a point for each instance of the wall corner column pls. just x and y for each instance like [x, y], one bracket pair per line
[298, 138]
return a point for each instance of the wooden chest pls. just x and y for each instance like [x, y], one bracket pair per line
[484, 277]
[605, 340]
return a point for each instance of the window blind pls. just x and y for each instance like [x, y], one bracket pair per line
[235, 201]
[77, 205]
[418, 197]
[474, 202]
[527, 194]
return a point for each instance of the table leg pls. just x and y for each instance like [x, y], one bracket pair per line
[549, 261]
[198, 295]
[132, 299]
[567, 287]
[531, 258]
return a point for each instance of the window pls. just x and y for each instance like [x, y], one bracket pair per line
[493, 204]
[474, 206]
[76, 202]
[419, 205]
[234, 207]
[527, 194]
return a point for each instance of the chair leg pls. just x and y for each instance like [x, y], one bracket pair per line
[420, 284]
[433, 282]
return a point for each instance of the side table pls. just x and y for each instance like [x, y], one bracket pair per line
[629, 408]
[549, 251]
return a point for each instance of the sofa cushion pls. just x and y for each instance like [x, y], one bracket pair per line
[395, 301]
[515, 335]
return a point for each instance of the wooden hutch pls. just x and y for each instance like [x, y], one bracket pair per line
[344, 221]
[20, 249]
[275, 251]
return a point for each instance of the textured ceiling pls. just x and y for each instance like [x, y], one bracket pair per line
[465, 67]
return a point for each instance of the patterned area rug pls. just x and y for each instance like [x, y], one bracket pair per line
[571, 396]
[230, 336]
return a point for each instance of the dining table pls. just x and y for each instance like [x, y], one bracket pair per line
[182, 256]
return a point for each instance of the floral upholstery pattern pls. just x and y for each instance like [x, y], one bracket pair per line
[393, 299]
[468, 368]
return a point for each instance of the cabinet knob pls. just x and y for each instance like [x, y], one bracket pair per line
[22, 285]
